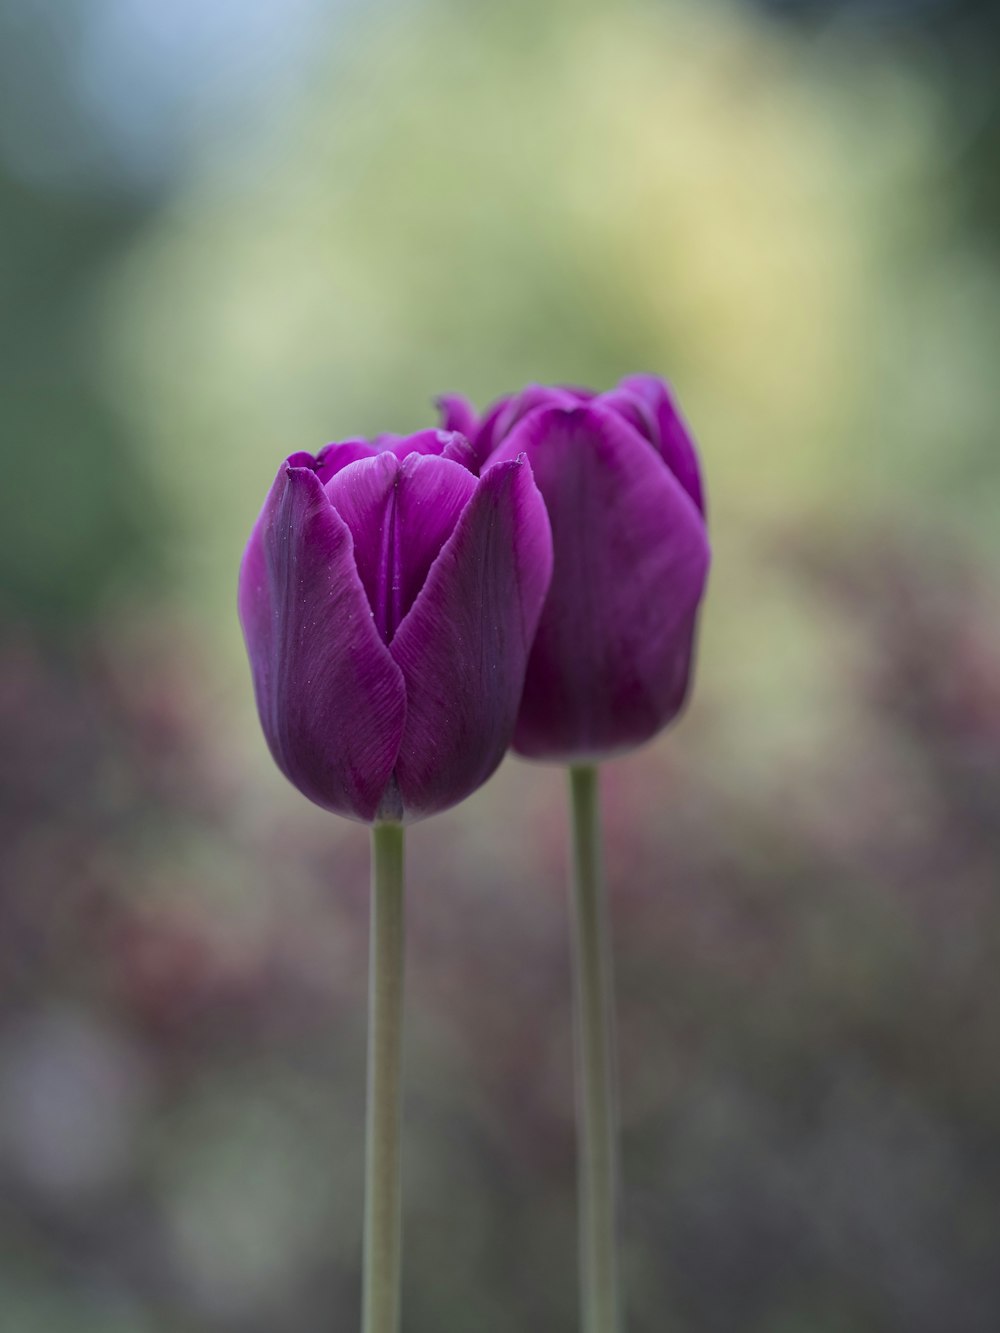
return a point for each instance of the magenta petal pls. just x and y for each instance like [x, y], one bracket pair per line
[500, 419]
[636, 411]
[675, 441]
[332, 702]
[431, 495]
[332, 457]
[486, 437]
[364, 495]
[450, 444]
[458, 414]
[400, 514]
[464, 645]
[458, 449]
[441, 443]
[532, 397]
[609, 664]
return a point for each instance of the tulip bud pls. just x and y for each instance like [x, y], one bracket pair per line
[611, 661]
[388, 598]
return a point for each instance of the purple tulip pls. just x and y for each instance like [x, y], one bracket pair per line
[389, 598]
[611, 662]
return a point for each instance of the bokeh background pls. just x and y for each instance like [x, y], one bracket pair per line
[239, 228]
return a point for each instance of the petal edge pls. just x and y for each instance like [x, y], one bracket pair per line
[464, 646]
[331, 700]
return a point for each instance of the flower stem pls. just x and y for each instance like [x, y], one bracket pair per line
[596, 1099]
[385, 1044]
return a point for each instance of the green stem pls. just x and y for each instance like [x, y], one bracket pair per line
[594, 1025]
[385, 1047]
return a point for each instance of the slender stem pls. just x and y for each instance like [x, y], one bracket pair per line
[596, 1099]
[385, 1046]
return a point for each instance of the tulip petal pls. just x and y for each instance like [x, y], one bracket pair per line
[607, 669]
[364, 495]
[506, 413]
[464, 645]
[486, 436]
[400, 514]
[332, 702]
[532, 397]
[674, 438]
[332, 457]
[636, 411]
[459, 449]
[458, 414]
[450, 444]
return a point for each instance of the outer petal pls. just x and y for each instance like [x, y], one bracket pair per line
[675, 440]
[464, 645]
[609, 664]
[331, 700]
[400, 514]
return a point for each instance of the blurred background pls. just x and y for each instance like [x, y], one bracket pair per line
[236, 229]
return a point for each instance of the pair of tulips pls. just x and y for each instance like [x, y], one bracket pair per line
[415, 605]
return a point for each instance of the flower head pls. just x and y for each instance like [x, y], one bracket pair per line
[389, 598]
[611, 662]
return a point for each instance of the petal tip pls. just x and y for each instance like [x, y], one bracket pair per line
[298, 463]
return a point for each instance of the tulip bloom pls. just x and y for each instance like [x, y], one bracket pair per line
[610, 667]
[611, 662]
[389, 598]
